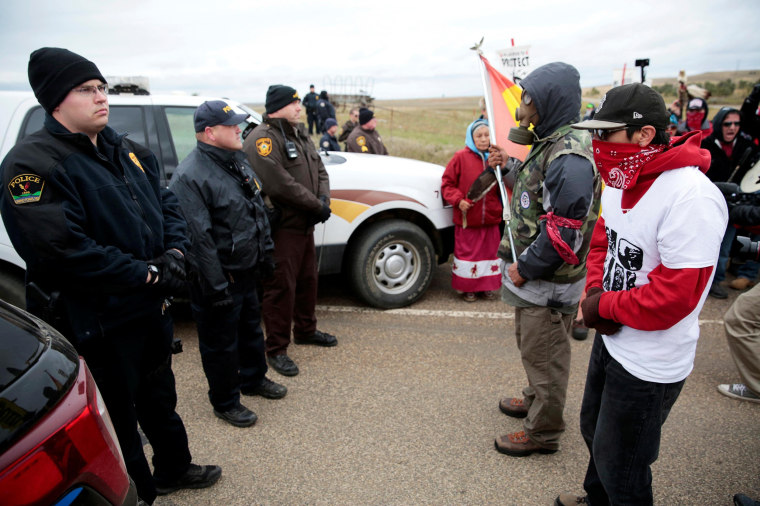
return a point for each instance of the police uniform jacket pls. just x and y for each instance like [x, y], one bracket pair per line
[329, 143]
[296, 185]
[365, 141]
[325, 110]
[87, 220]
[310, 102]
[220, 197]
[348, 127]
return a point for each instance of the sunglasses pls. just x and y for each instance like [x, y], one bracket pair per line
[731, 123]
[602, 134]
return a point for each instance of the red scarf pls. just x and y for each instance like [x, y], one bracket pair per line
[620, 163]
[683, 151]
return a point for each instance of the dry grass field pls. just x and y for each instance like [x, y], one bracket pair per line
[433, 129]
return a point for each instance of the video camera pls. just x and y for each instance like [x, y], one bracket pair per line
[735, 196]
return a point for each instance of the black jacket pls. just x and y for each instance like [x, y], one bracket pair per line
[329, 143]
[227, 224]
[310, 102]
[722, 166]
[89, 223]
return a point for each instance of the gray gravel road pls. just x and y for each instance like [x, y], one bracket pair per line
[404, 411]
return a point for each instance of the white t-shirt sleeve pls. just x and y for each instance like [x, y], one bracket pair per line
[692, 230]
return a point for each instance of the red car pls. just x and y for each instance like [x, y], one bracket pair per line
[57, 443]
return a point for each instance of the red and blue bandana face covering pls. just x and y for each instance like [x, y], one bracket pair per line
[620, 163]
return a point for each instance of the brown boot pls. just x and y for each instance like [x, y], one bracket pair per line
[514, 407]
[569, 500]
[518, 444]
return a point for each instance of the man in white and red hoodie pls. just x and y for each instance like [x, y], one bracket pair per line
[650, 265]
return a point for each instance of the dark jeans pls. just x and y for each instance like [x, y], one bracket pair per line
[290, 296]
[132, 367]
[231, 341]
[748, 269]
[621, 422]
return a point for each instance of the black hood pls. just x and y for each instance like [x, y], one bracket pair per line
[717, 121]
[556, 89]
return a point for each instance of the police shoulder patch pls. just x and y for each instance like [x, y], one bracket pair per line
[264, 146]
[26, 188]
[361, 141]
[136, 161]
[325, 144]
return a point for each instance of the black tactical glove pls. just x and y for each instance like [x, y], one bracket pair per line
[591, 318]
[220, 300]
[323, 214]
[266, 267]
[171, 275]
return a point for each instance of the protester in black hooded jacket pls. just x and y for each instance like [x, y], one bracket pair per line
[732, 151]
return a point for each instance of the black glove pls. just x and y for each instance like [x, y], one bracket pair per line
[323, 214]
[171, 272]
[220, 300]
[591, 318]
[266, 267]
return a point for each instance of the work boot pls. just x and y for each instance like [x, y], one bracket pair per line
[741, 283]
[195, 477]
[268, 389]
[717, 291]
[239, 416]
[579, 332]
[514, 407]
[518, 444]
[570, 499]
[318, 338]
[283, 365]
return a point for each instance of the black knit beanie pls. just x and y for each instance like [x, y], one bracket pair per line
[365, 115]
[278, 96]
[54, 72]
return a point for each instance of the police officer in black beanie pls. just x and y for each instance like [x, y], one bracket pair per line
[365, 138]
[98, 232]
[297, 186]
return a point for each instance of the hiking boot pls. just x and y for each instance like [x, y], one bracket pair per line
[570, 499]
[283, 365]
[195, 477]
[717, 291]
[518, 444]
[579, 332]
[741, 284]
[514, 407]
[739, 391]
[268, 389]
[318, 338]
[239, 416]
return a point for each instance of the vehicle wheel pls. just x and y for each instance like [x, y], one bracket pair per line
[12, 288]
[391, 264]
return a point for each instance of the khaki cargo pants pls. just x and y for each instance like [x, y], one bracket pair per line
[742, 321]
[542, 338]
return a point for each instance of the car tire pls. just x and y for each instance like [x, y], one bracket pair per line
[391, 264]
[12, 288]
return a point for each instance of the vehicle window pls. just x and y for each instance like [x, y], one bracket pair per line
[129, 120]
[34, 121]
[123, 119]
[182, 129]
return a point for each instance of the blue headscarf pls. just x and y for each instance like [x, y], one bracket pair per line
[470, 142]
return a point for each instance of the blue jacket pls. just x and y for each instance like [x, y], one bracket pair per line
[87, 220]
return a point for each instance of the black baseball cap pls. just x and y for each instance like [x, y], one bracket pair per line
[216, 112]
[631, 104]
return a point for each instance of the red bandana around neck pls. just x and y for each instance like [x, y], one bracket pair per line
[620, 163]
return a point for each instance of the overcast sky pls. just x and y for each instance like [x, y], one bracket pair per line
[393, 49]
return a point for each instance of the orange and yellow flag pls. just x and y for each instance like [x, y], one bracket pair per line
[505, 98]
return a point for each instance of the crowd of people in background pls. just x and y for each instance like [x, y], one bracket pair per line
[634, 262]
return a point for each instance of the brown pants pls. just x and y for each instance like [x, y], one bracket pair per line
[542, 338]
[290, 296]
[742, 321]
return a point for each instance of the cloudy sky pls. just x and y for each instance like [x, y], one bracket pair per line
[390, 48]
